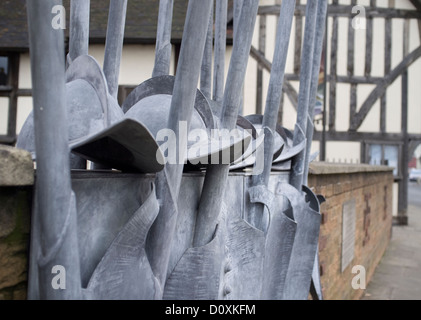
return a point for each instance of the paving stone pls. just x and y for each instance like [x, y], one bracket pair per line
[397, 277]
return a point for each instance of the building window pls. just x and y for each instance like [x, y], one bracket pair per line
[4, 70]
[384, 154]
[9, 73]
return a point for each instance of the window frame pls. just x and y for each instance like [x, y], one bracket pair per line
[10, 91]
[366, 150]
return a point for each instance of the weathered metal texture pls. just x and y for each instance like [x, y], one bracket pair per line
[199, 270]
[114, 44]
[290, 149]
[245, 247]
[216, 174]
[55, 202]
[206, 69]
[79, 29]
[156, 115]
[183, 238]
[112, 257]
[318, 46]
[150, 102]
[273, 101]
[220, 48]
[248, 158]
[304, 92]
[97, 129]
[256, 262]
[87, 68]
[186, 238]
[282, 157]
[278, 134]
[262, 51]
[111, 148]
[182, 105]
[238, 4]
[124, 271]
[279, 243]
[113, 264]
[86, 103]
[163, 39]
[307, 216]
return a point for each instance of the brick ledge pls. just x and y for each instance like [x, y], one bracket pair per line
[318, 168]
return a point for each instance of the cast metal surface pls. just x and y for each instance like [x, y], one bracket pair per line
[150, 230]
[163, 39]
[79, 29]
[55, 212]
[114, 44]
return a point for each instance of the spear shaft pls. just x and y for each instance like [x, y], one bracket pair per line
[181, 110]
[297, 172]
[114, 44]
[273, 101]
[163, 39]
[206, 70]
[318, 47]
[57, 216]
[220, 48]
[238, 4]
[79, 28]
[78, 45]
[217, 174]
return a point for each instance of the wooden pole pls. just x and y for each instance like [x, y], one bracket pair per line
[403, 184]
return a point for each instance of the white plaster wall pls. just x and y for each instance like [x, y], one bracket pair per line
[4, 107]
[136, 63]
[24, 109]
[344, 152]
[25, 81]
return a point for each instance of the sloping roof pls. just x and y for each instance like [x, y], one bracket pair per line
[141, 22]
[13, 24]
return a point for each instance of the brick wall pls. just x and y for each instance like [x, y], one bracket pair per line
[371, 187]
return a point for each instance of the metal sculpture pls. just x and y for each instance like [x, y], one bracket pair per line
[175, 233]
[55, 215]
